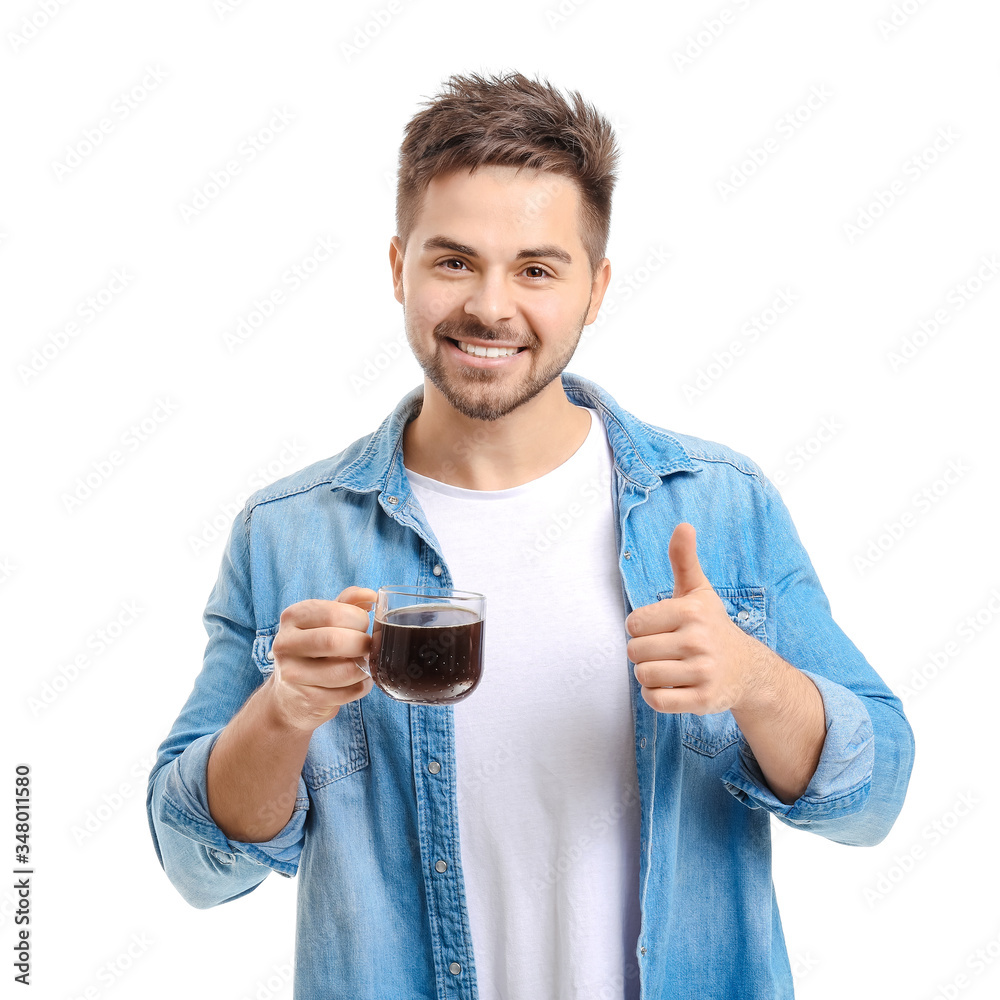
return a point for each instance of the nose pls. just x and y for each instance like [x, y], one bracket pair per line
[492, 299]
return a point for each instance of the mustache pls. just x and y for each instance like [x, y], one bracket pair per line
[454, 331]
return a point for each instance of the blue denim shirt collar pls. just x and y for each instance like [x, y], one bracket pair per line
[643, 454]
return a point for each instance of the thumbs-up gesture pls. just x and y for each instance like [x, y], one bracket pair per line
[688, 653]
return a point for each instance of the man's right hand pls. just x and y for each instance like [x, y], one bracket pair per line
[314, 653]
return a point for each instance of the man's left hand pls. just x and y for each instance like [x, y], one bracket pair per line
[688, 653]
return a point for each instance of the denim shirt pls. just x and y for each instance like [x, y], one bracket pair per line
[376, 804]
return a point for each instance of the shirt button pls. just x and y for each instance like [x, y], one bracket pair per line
[434, 767]
[437, 569]
[642, 743]
[440, 866]
[642, 950]
[454, 968]
[743, 616]
[627, 554]
[392, 499]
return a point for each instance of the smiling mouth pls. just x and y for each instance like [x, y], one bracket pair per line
[486, 352]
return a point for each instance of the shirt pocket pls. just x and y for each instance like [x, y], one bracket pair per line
[711, 734]
[338, 747]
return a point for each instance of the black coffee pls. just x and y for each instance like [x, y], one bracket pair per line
[429, 653]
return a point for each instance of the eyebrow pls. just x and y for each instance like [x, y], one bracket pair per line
[549, 250]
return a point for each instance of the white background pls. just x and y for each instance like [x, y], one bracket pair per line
[903, 919]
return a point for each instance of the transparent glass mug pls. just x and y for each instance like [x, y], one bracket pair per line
[427, 643]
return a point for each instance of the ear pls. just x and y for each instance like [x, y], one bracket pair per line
[396, 264]
[598, 287]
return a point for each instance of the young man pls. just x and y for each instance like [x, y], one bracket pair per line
[662, 673]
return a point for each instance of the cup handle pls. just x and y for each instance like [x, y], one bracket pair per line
[361, 662]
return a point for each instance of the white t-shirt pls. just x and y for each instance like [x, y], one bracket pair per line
[548, 801]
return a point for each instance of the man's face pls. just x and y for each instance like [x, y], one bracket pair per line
[496, 259]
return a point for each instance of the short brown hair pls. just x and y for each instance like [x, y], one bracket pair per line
[512, 121]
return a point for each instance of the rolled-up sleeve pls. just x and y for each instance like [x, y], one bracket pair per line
[205, 866]
[843, 774]
[184, 808]
[860, 781]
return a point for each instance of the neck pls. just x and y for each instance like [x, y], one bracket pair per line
[529, 442]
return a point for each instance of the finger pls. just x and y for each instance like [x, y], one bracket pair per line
[667, 674]
[683, 554]
[357, 595]
[344, 694]
[667, 615]
[322, 640]
[660, 646]
[315, 613]
[327, 673]
[680, 644]
[674, 700]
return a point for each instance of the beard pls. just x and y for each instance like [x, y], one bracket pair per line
[489, 393]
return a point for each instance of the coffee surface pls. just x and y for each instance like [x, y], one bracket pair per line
[427, 654]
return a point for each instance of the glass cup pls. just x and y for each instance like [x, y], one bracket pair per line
[427, 643]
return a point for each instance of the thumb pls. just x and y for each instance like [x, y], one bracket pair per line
[688, 575]
[360, 596]
[357, 595]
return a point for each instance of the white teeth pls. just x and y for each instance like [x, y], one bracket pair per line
[487, 352]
